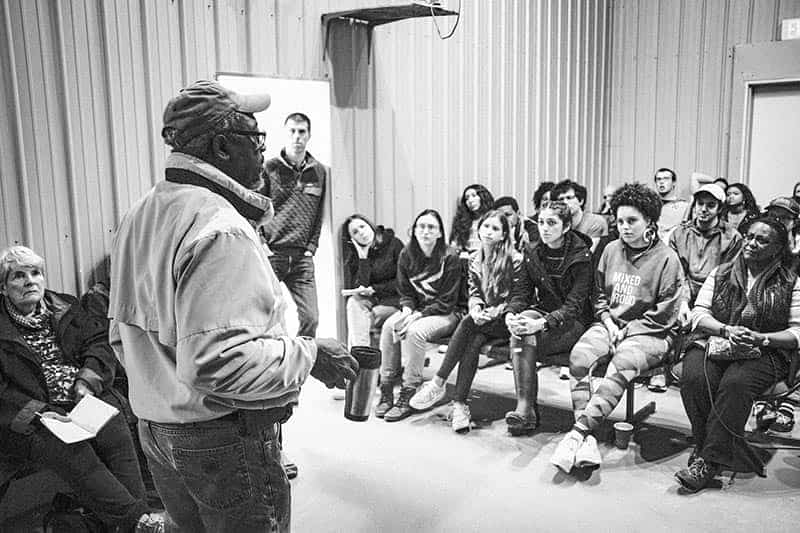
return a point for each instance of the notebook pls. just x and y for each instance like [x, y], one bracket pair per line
[86, 420]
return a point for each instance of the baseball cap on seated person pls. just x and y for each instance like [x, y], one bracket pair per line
[788, 204]
[206, 106]
[714, 190]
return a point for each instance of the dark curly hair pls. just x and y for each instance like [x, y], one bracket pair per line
[543, 188]
[462, 221]
[640, 197]
[750, 205]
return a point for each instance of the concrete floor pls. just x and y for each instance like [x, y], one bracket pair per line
[417, 475]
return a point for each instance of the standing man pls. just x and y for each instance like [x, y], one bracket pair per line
[574, 195]
[673, 209]
[295, 182]
[195, 315]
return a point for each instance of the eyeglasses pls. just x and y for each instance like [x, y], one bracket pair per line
[259, 137]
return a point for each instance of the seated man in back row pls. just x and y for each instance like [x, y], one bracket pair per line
[574, 195]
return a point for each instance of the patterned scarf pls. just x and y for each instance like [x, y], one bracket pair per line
[38, 333]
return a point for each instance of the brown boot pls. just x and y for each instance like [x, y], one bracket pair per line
[401, 409]
[525, 418]
[387, 400]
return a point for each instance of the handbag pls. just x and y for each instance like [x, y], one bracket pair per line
[722, 349]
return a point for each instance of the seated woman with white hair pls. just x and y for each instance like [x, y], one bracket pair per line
[52, 354]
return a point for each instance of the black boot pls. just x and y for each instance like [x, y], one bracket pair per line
[526, 382]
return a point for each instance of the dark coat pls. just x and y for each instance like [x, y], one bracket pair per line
[561, 304]
[378, 270]
[84, 342]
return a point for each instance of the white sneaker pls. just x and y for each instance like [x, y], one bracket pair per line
[427, 396]
[588, 455]
[564, 456]
[460, 418]
[564, 373]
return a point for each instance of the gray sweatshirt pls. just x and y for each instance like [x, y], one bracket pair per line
[641, 291]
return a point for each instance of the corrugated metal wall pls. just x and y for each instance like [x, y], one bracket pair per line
[671, 82]
[85, 84]
[514, 98]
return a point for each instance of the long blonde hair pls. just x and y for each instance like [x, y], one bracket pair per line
[497, 266]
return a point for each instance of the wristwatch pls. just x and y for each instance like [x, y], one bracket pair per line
[765, 341]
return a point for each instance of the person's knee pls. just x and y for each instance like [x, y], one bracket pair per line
[360, 303]
[467, 324]
[416, 332]
[353, 304]
[578, 364]
[532, 314]
[736, 385]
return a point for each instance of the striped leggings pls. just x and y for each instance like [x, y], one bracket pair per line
[632, 357]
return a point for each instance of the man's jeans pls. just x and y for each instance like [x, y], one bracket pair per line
[296, 270]
[220, 475]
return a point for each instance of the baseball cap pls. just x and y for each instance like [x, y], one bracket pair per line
[205, 106]
[713, 189]
[786, 203]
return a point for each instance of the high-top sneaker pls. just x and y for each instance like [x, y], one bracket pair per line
[401, 408]
[387, 400]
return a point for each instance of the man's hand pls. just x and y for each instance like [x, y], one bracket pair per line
[334, 363]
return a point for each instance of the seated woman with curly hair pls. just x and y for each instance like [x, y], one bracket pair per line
[638, 289]
[52, 354]
[741, 206]
[748, 311]
[475, 201]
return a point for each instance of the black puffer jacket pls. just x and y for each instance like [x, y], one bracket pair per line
[378, 270]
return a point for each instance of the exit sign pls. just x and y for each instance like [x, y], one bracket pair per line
[790, 29]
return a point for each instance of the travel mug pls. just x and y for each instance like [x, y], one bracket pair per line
[358, 395]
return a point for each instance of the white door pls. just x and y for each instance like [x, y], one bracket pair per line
[774, 158]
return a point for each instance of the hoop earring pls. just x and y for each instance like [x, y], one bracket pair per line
[649, 235]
